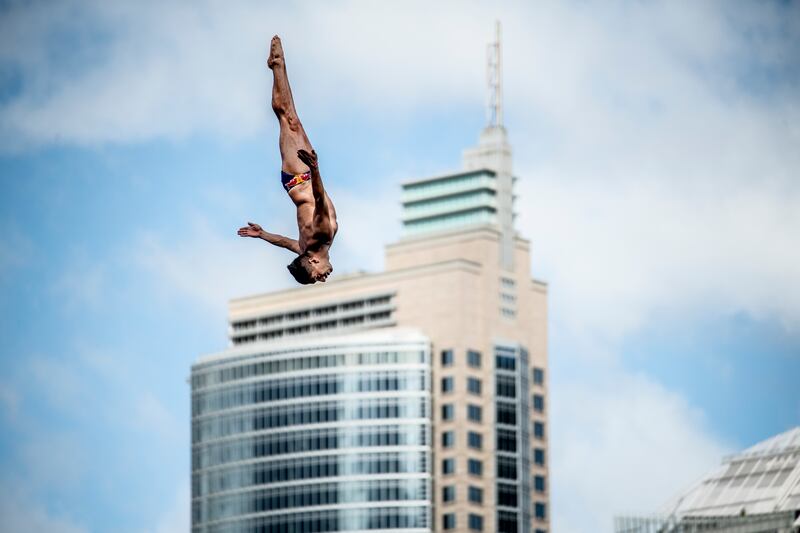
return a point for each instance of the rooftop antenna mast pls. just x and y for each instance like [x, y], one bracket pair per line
[494, 76]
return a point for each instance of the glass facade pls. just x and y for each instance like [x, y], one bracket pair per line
[512, 436]
[332, 435]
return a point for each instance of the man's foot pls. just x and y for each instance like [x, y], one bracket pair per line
[275, 53]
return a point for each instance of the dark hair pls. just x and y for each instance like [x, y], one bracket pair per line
[299, 270]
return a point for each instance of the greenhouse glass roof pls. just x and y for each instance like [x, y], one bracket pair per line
[762, 479]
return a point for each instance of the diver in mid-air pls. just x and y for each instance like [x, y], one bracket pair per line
[316, 216]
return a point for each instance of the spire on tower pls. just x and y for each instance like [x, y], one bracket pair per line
[494, 75]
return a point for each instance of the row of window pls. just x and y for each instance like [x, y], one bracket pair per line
[307, 313]
[449, 184]
[294, 496]
[506, 414]
[303, 362]
[474, 521]
[326, 521]
[306, 386]
[474, 439]
[473, 385]
[506, 467]
[318, 439]
[502, 362]
[474, 466]
[474, 412]
[474, 494]
[455, 202]
[309, 413]
[305, 468]
[507, 520]
[473, 358]
[307, 327]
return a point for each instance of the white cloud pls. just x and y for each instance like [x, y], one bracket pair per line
[622, 444]
[209, 267]
[617, 256]
[170, 69]
[364, 226]
[23, 514]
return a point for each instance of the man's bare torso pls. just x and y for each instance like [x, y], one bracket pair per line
[314, 232]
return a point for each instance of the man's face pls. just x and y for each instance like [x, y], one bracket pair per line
[320, 271]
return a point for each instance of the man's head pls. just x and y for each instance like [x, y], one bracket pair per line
[309, 268]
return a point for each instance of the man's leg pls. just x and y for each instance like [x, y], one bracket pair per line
[292, 135]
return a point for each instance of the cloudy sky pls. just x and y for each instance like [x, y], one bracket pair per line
[658, 151]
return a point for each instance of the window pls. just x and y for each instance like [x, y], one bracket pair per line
[506, 440]
[474, 358]
[508, 282]
[506, 467]
[475, 522]
[448, 466]
[504, 362]
[447, 384]
[448, 439]
[474, 386]
[474, 413]
[447, 411]
[538, 430]
[538, 403]
[506, 414]
[540, 511]
[506, 386]
[538, 376]
[449, 521]
[506, 522]
[447, 357]
[476, 495]
[538, 456]
[508, 313]
[538, 483]
[506, 495]
[475, 440]
[448, 493]
[475, 467]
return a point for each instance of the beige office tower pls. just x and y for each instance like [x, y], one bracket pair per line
[457, 316]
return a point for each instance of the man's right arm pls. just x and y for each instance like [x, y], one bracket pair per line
[256, 231]
[321, 214]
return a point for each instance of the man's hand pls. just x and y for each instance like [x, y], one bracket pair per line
[251, 230]
[309, 159]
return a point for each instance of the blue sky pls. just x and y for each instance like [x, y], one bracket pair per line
[657, 149]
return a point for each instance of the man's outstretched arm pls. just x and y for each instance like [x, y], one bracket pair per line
[254, 230]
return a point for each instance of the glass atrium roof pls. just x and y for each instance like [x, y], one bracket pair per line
[762, 479]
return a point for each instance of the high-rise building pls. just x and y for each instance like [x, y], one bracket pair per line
[413, 398]
[324, 434]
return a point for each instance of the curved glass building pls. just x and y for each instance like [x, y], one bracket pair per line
[313, 435]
